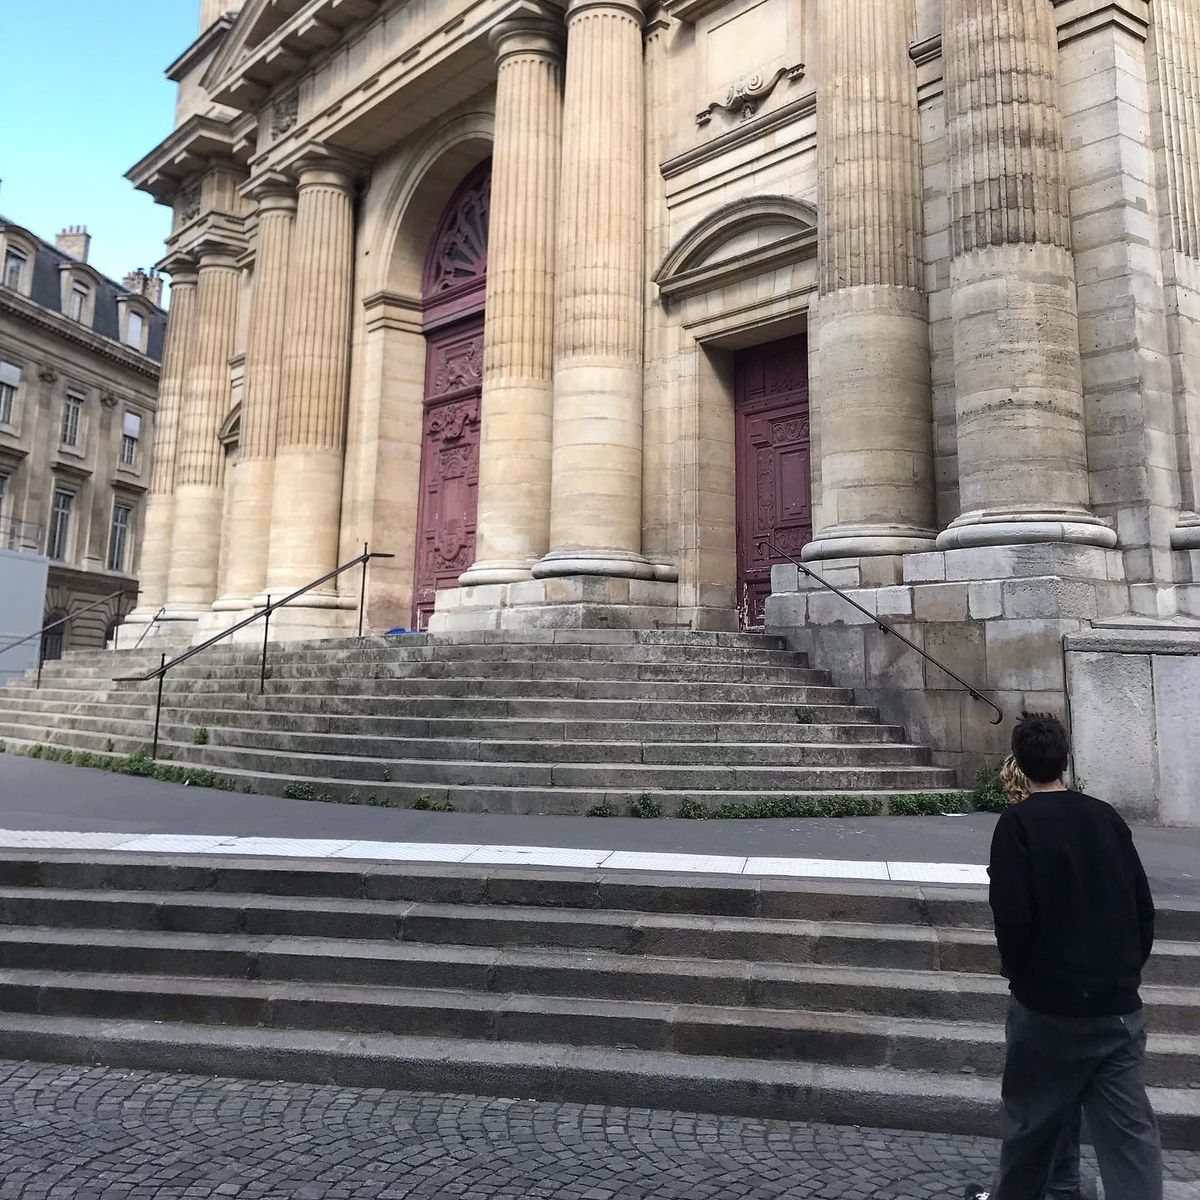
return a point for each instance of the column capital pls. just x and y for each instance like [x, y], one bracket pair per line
[321, 168]
[213, 251]
[626, 8]
[270, 191]
[536, 33]
[182, 269]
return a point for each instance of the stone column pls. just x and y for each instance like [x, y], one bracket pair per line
[513, 527]
[871, 329]
[596, 492]
[1021, 450]
[155, 561]
[249, 531]
[1176, 37]
[307, 500]
[200, 464]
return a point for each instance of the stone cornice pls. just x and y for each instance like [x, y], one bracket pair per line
[739, 135]
[707, 278]
[1078, 18]
[203, 46]
[24, 309]
[185, 152]
[390, 310]
[690, 11]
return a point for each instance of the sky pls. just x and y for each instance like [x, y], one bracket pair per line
[86, 98]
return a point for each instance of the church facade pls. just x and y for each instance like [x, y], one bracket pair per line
[593, 312]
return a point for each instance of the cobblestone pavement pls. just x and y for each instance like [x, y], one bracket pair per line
[97, 1134]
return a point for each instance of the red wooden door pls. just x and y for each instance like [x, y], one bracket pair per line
[449, 463]
[773, 456]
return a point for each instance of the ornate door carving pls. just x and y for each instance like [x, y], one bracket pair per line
[449, 463]
[773, 457]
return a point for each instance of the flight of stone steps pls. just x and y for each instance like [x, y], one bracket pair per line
[557, 722]
[866, 1004]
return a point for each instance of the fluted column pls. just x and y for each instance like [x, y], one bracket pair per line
[513, 528]
[1022, 456]
[310, 444]
[1177, 62]
[871, 332]
[200, 464]
[249, 529]
[596, 491]
[155, 562]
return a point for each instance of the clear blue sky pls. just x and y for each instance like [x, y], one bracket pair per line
[84, 98]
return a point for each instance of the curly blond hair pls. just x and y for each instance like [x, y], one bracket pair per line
[1014, 781]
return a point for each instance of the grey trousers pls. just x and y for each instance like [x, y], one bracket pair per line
[1056, 1066]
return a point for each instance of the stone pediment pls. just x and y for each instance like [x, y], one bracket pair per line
[748, 237]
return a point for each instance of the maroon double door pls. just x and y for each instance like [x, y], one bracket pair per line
[773, 456]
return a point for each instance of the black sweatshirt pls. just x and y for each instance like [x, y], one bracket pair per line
[1072, 908]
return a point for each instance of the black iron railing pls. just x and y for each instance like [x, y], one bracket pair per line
[45, 629]
[885, 628]
[264, 615]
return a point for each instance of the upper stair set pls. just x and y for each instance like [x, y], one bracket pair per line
[556, 722]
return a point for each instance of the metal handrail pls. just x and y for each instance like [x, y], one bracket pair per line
[885, 628]
[45, 629]
[264, 615]
[154, 620]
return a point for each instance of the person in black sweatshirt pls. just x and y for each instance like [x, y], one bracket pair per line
[1074, 925]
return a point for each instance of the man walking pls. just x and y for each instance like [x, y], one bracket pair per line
[1074, 925]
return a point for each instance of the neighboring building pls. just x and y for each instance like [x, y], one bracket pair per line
[569, 305]
[79, 364]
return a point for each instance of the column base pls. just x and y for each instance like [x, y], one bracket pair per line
[1023, 528]
[571, 602]
[1186, 534]
[865, 541]
[496, 570]
[617, 564]
[314, 616]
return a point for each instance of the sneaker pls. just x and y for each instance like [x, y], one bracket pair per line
[975, 1192]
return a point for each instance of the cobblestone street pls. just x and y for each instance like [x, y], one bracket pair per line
[92, 1134]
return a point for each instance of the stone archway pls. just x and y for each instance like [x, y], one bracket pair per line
[453, 299]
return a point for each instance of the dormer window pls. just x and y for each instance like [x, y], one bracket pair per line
[133, 322]
[78, 302]
[134, 329]
[80, 286]
[14, 268]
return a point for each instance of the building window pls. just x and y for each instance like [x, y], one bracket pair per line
[52, 640]
[10, 382]
[79, 297]
[14, 269]
[119, 541]
[60, 525]
[3, 493]
[129, 439]
[134, 327]
[72, 419]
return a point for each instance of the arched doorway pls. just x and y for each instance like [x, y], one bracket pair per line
[453, 295]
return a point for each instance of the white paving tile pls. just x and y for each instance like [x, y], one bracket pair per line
[447, 852]
[924, 872]
[180, 843]
[537, 856]
[42, 839]
[817, 868]
[288, 847]
[701, 864]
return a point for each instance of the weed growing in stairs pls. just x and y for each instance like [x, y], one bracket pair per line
[200, 737]
[427, 804]
[805, 716]
[3, 747]
[304, 791]
[140, 765]
[990, 796]
[646, 807]
[921, 804]
[604, 809]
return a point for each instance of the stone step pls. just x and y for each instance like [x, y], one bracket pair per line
[926, 995]
[879, 1097]
[675, 935]
[652, 776]
[912, 1044]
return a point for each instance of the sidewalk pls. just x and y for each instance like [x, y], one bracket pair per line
[37, 795]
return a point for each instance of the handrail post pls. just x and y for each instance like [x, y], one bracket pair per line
[41, 659]
[262, 671]
[362, 591]
[158, 703]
